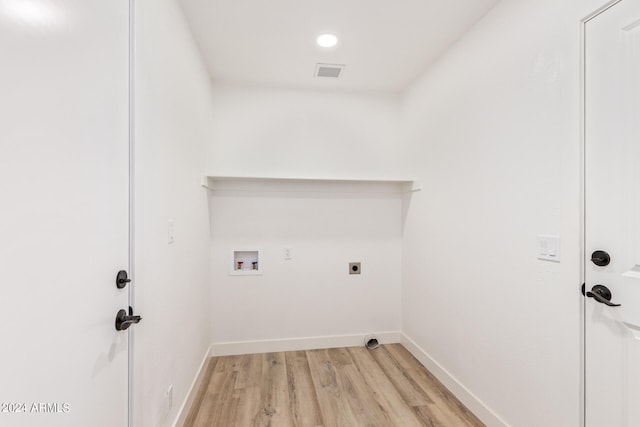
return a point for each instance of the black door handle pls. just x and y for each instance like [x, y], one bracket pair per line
[123, 321]
[601, 294]
[122, 278]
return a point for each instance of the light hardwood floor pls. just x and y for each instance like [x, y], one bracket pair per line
[340, 387]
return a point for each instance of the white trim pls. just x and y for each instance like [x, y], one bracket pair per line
[183, 412]
[471, 401]
[583, 123]
[581, 259]
[304, 343]
[608, 5]
[131, 402]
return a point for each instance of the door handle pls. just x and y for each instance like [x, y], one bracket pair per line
[123, 321]
[122, 278]
[602, 294]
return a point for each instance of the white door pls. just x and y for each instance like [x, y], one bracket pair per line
[63, 212]
[612, 217]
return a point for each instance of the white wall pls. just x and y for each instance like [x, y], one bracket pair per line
[493, 131]
[311, 295]
[295, 133]
[281, 132]
[173, 116]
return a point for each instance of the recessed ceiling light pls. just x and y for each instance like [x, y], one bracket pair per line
[327, 40]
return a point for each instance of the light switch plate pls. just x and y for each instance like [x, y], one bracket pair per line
[549, 247]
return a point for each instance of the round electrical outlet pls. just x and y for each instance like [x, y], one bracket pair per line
[354, 268]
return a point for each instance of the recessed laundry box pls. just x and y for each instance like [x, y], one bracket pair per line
[245, 262]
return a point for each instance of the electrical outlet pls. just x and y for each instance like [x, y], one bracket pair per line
[354, 268]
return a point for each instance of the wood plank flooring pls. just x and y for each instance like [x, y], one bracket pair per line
[339, 387]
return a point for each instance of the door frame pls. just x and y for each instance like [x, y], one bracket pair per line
[583, 232]
[131, 292]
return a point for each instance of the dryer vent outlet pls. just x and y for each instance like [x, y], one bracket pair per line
[371, 342]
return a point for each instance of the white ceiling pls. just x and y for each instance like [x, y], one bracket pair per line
[385, 44]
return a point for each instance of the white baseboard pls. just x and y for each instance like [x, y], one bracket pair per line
[183, 412]
[475, 405]
[294, 344]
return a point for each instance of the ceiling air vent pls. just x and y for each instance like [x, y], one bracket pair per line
[332, 71]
